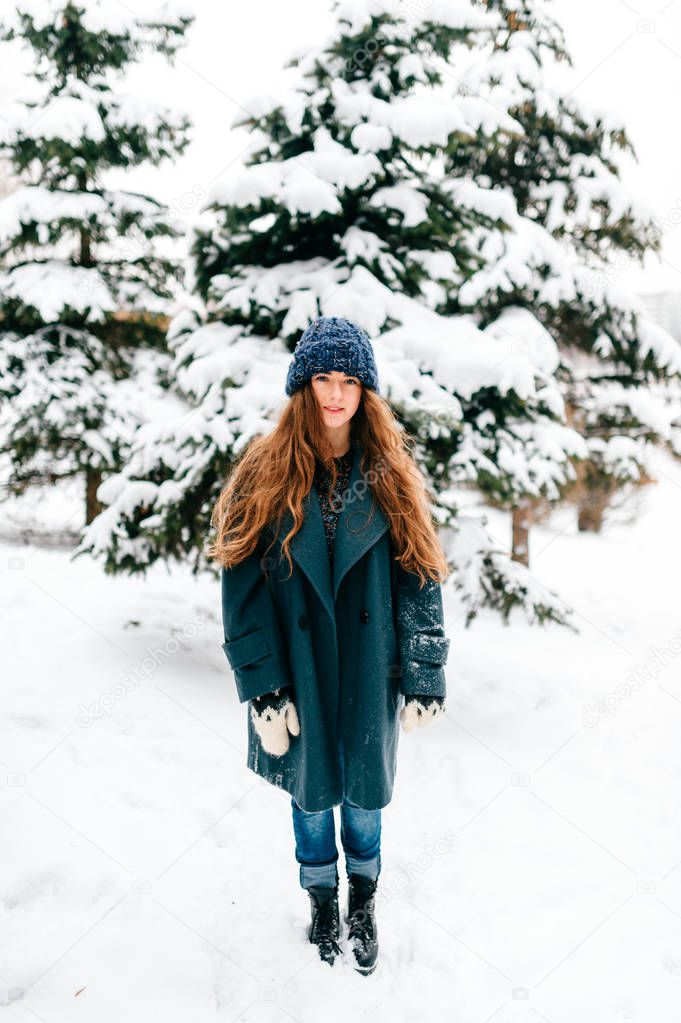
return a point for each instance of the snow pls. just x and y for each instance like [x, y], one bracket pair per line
[219, 353]
[84, 111]
[358, 14]
[406, 199]
[658, 342]
[100, 15]
[70, 120]
[306, 183]
[426, 117]
[514, 352]
[370, 138]
[594, 186]
[43, 206]
[273, 286]
[128, 112]
[52, 285]
[498, 203]
[647, 407]
[530, 854]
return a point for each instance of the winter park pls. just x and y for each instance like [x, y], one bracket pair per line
[340, 489]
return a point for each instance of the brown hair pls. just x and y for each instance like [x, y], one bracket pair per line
[277, 470]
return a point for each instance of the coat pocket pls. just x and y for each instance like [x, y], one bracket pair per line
[424, 672]
[429, 649]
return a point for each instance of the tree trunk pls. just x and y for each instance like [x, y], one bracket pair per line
[522, 517]
[591, 508]
[93, 477]
[85, 236]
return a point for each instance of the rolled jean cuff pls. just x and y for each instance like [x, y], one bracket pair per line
[323, 874]
[368, 868]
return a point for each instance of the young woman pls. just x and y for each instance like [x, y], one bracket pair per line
[333, 616]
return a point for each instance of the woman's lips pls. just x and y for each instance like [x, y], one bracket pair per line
[332, 409]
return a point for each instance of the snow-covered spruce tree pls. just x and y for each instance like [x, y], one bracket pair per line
[344, 209]
[576, 227]
[84, 282]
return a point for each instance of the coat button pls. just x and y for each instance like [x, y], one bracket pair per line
[364, 616]
[304, 621]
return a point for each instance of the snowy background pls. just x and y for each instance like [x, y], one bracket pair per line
[531, 853]
[627, 60]
[532, 850]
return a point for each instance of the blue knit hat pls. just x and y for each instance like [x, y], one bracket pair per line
[328, 343]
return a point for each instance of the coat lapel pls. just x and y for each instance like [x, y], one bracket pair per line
[309, 550]
[360, 524]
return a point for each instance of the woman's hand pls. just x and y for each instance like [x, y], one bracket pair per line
[421, 710]
[274, 715]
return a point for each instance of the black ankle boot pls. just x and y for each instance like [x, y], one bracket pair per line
[363, 932]
[324, 930]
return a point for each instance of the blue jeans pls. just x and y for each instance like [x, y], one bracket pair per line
[315, 842]
[316, 850]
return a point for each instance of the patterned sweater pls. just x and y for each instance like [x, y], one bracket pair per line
[331, 502]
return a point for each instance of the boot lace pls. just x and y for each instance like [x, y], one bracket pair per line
[325, 922]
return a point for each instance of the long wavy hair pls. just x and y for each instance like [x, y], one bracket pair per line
[276, 472]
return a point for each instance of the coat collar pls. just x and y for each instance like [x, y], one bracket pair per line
[361, 522]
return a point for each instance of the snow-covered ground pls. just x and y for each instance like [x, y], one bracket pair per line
[531, 853]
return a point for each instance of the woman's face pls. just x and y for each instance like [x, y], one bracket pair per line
[338, 396]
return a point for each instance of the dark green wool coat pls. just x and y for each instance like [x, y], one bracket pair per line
[350, 641]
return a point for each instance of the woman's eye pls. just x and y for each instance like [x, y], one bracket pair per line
[348, 381]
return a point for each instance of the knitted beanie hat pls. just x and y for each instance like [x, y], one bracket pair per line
[332, 343]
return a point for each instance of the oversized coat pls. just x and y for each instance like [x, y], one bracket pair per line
[351, 642]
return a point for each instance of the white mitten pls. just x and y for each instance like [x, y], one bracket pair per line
[421, 710]
[274, 716]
